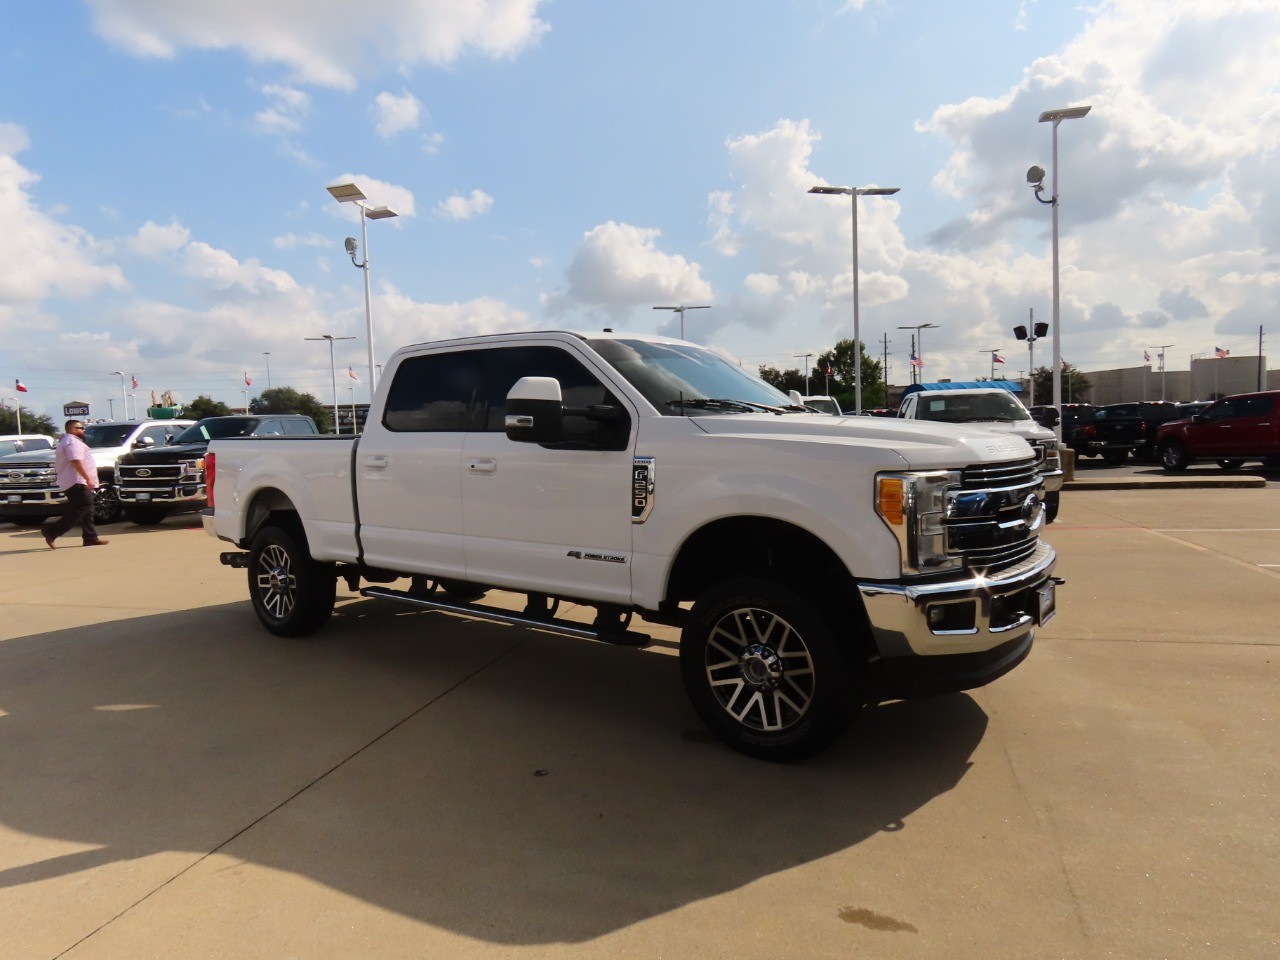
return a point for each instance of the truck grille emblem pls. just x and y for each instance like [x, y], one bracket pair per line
[143, 472]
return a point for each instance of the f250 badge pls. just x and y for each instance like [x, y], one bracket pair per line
[642, 481]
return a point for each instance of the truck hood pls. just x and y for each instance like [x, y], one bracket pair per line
[923, 445]
[167, 454]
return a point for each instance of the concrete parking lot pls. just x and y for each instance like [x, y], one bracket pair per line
[174, 782]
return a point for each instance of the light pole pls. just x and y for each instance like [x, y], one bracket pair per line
[333, 376]
[805, 357]
[267, 354]
[352, 388]
[1162, 348]
[350, 193]
[1031, 333]
[124, 400]
[1035, 177]
[854, 193]
[681, 310]
[919, 328]
[17, 411]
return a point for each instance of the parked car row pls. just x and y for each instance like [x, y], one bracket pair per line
[146, 469]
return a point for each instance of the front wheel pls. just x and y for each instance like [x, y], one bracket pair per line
[764, 671]
[107, 507]
[292, 594]
[1173, 455]
[1051, 501]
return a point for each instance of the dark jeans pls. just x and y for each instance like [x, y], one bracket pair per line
[77, 510]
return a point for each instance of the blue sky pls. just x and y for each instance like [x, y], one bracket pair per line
[570, 165]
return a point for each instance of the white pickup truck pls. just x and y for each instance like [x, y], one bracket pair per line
[815, 564]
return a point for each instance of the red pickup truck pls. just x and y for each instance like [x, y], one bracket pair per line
[1229, 431]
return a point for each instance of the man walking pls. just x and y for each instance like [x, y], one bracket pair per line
[78, 479]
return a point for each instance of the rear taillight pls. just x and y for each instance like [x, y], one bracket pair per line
[210, 473]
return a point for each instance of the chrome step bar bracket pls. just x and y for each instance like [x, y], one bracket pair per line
[629, 638]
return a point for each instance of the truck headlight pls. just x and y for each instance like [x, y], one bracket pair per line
[915, 506]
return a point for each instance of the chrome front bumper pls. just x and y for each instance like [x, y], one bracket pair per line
[1052, 480]
[966, 616]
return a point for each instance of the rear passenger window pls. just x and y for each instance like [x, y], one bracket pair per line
[432, 394]
[298, 427]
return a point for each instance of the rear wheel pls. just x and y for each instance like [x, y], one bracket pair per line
[1173, 455]
[764, 671]
[1231, 464]
[292, 594]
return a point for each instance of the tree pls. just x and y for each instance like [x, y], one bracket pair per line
[1076, 387]
[289, 400]
[784, 380]
[31, 422]
[205, 406]
[843, 370]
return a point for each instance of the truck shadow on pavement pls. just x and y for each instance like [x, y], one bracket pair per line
[512, 786]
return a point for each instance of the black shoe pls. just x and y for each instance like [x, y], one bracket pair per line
[95, 543]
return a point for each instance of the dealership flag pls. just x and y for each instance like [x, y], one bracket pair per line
[1146, 356]
[996, 358]
[247, 381]
[134, 380]
[19, 386]
[1220, 353]
[352, 374]
[916, 361]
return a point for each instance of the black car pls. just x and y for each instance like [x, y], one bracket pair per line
[156, 481]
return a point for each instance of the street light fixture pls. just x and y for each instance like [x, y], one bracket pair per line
[854, 193]
[1031, 333]
[1162, 348]
[124, 397]
[333, 376]
[681, 310]
[1035, 177]
[350, 193]
[992, 354]
[805, 357]
[919, 329]
[267, 354]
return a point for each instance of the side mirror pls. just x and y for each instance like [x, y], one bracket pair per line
[795, 397]
[143, 442]
[535, 411]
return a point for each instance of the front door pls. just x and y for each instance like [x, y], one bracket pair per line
[553, 518]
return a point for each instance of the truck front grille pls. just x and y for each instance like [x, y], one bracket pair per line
[17, 477]
[993, 518]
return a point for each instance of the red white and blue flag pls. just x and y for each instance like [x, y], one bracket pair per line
[1146, 356]
[916, 361]
[352, 374]
[19, 386]
[996, 358]
[134, 380]
[1220, 353]
[247, 381]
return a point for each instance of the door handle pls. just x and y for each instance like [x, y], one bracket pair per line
[376, 463]
[482, 465]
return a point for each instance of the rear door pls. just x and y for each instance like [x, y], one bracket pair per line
[1222, 430]
[408, 467]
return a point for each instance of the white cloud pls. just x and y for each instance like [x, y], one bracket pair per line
[618, 268]
[291, 241]
[334, 42]
[286, 110]
[396, 114]
[464, 208]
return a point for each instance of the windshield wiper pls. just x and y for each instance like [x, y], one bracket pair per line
[723, 404]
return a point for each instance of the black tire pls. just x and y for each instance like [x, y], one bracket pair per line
[1051, 502]
[764, 670]
[107, 507]
[145, 516]
[1231, 464]
[1173, 456]
[292, 594]
[1115, 458]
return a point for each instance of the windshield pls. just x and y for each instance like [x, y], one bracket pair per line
[680, 379]
[972, 408]
[99, 435]
[218, 428]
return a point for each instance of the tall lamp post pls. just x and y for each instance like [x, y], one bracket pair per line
[350, 193]
[1162, 348]
[805, 357]
[124, 397]
[333, 376]
[853, 193]
[1031, 333]
[1035, 177]
[17, 411]
[681, 310]
[919, 328]
[267, 354]
[992, 354]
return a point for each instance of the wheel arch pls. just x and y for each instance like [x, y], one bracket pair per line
[267, 506]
